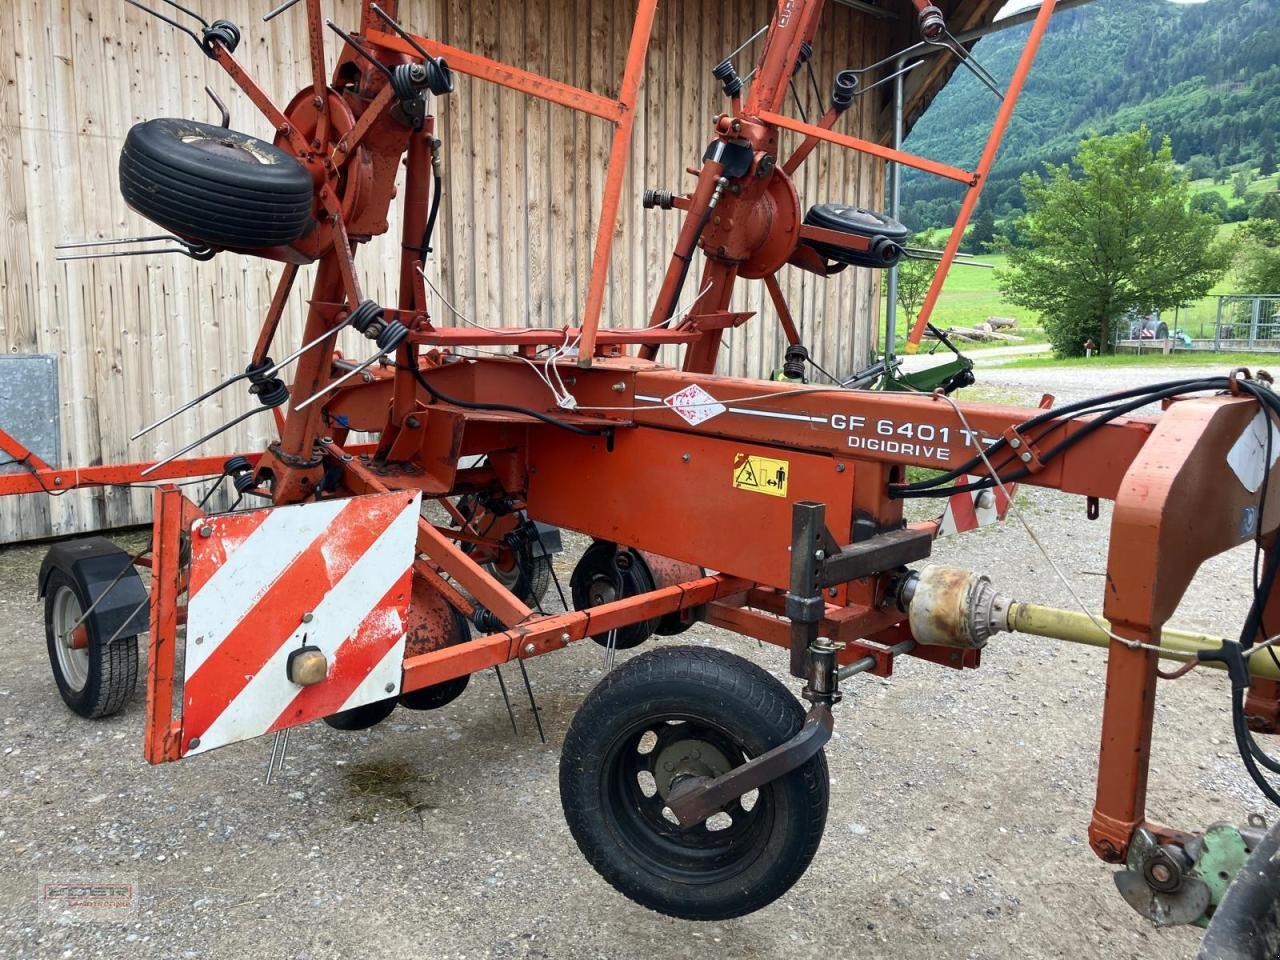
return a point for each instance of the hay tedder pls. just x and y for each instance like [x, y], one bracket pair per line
[416, 496]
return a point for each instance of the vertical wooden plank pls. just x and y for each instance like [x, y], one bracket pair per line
[561, 167]
[538, 159]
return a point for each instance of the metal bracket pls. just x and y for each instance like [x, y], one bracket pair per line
[693, 799]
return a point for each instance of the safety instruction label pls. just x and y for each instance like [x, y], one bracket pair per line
[761, 475]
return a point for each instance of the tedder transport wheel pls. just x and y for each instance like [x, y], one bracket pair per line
[95, 678]
[207, 183]
[442, 694]
[689, 711]
[604, 574]
[522, 572]
[362, 717]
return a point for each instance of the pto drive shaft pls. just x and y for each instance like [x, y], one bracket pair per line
[958, 608]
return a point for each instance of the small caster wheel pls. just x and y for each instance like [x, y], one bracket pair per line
[604, 574]
[362, 717]
[689, 711]
[442, 694]
[94, 658]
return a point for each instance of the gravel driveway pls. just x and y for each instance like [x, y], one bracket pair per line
[959, 803]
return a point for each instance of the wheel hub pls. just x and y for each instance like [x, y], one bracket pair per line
[687, 758]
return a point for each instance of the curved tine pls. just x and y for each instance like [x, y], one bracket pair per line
[79, 244]
[341, 380]
[900, 55]
[169, 20]
[207, 437]
[968, 55]
[746, 43]
[400, 31]
[893, 76]
[272, 14]
[358, 47]
[963, 56]
[190, 403]
[124, 253]
[276, 368]
[189, 13]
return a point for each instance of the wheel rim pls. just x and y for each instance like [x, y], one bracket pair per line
[634, 782]
[73, 663]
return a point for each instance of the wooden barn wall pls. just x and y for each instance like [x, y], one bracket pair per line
[134, 337]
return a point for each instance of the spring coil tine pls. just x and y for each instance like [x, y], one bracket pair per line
[272, 14]
[403, 34]
[207, 437]
[341, 380]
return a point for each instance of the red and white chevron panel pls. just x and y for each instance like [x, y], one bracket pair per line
[335, 574]
[977, 508]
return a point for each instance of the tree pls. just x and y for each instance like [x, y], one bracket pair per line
[1258, 262]
[982, 232]
[1110, 234]
[1240, 184]
[914, 277]
[1210, 201]
[1267, 146]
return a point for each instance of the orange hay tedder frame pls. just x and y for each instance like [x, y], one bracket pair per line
[693, 781]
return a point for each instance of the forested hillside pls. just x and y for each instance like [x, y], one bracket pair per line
[1206, 75]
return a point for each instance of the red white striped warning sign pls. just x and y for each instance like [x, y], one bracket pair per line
[335, 574]
[976, 508]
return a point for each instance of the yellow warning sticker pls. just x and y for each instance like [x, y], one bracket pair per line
[761, 475]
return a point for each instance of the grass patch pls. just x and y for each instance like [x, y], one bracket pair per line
[1228, 361]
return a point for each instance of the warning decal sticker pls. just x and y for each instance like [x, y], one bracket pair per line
[761, 475]
[694, 405]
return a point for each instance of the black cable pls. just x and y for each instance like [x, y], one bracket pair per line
[927, 488]
[431, 220]
[1152, 392]
[510, 408]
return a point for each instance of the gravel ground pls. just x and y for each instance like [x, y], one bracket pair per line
[959, 803]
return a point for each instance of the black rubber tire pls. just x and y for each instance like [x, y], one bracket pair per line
[362, 717]
[442, 694]
[751, 709]
[216, 186]
[1246, 924]
[597, 561]
[112, 671]
[887, 235]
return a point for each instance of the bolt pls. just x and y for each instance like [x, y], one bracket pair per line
[839, 468]
[530, 648]
[390, 688]
[57, 481]
[413, 423]
[308, 617]
[685, 457]
[284, 129]
[193, 743]
[716, 220]
[1026, 456]
[832, 592]
[199, 640]
[1161, 873]
[317, 102]
[819, 555]
[206, 532]
[347, 458]
[619, 387]
[325, 441]
[1015, 443]
[564, 637]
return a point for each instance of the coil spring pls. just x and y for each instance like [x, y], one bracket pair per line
[846, 88]
[727, 74]
[486, 620]
[367, 318]
[657, 198]
[270, 391]
[220, 33]
[392, 336]
[241, 473]
[408, 80]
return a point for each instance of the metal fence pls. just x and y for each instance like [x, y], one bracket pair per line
[1233, 323]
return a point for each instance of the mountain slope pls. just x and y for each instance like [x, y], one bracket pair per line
[1207, 75]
